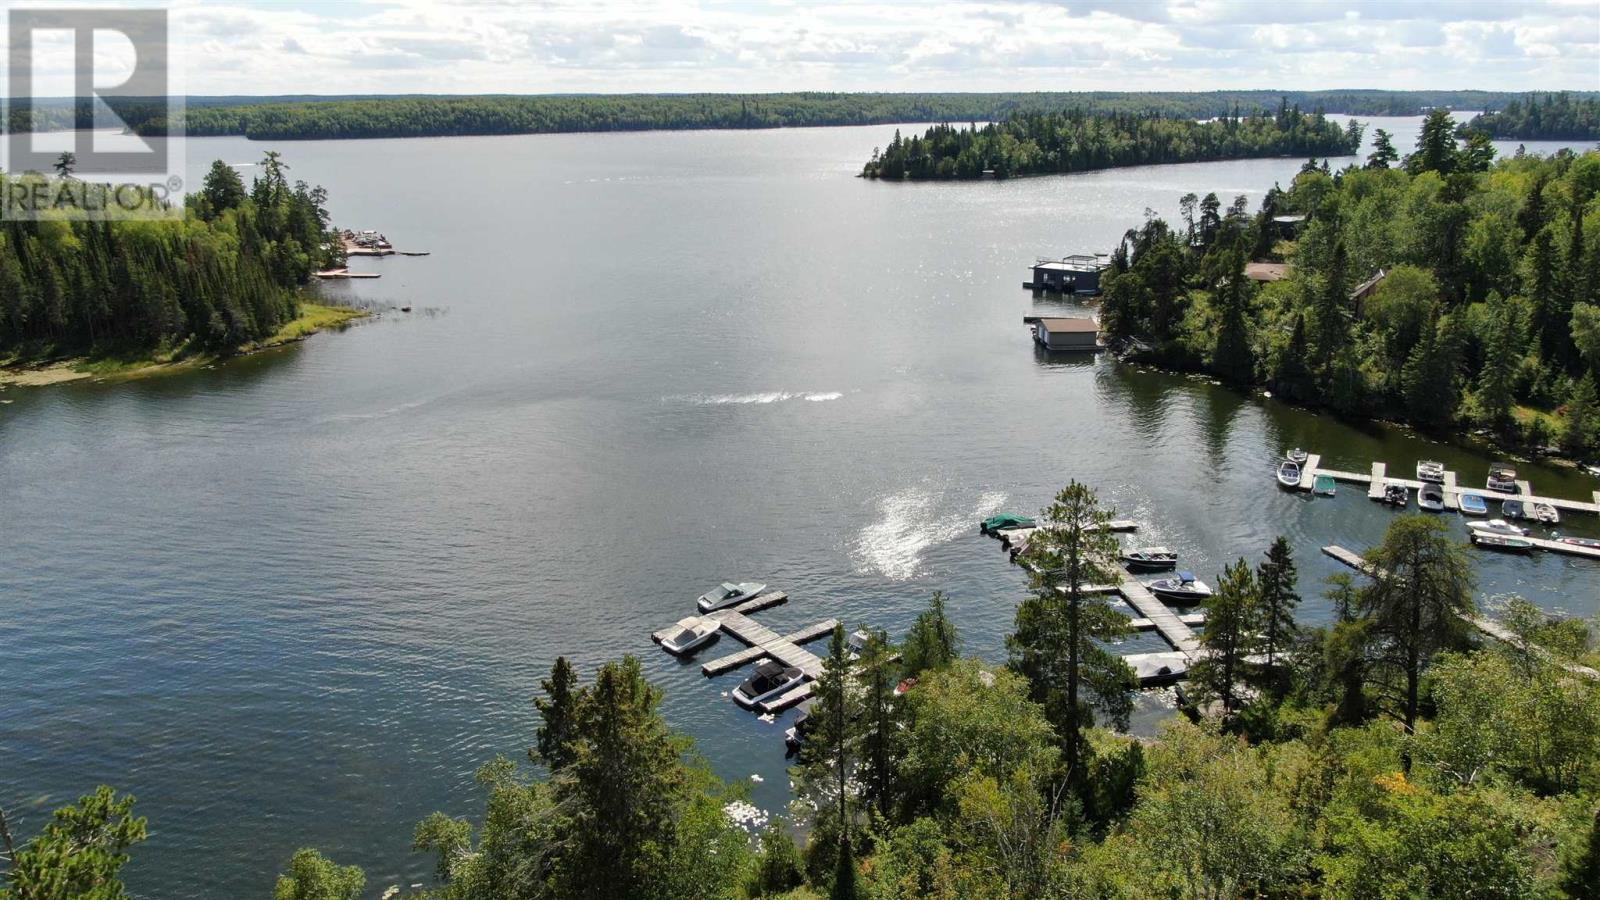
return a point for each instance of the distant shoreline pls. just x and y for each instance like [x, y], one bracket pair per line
[313, 319]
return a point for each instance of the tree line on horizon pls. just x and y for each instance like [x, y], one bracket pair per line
[310, 117]
[1444, 289]
[1543, 117]
[1383, 755]
[1078, 140]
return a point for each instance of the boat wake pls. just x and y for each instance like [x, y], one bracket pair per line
[761, 397]
[908, 523]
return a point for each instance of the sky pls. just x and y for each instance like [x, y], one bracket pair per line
[432, 46]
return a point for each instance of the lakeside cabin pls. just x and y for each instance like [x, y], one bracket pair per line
[1065, 333]
[1078, 274]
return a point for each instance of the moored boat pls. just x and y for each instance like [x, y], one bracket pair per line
[1429, 470]
[770, 680]
[1289, 474]
[1396, 495]
[1150, 558]
[691, 634]
[1591, 543]
[1473, 505]
[1546, 514]
[1297, 456]
[727, 594]
[1181, 588]
[1514, 510]
[1325, 486]
[1505, 543]
[1497, 526]
[1004, 522]
[1431, 497]
[1502, 478]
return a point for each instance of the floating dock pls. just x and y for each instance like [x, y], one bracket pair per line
[1378, 478]
[1488, 626]
[345, 273]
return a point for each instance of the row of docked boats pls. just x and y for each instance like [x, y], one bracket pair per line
[770, 678]
[1181, 587]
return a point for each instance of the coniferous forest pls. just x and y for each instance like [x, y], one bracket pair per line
[224, 274]
[1543, 117]
[1078, 141]
[1445, 289]
[1391, 753]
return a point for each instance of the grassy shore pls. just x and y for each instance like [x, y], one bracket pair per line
[314, 317]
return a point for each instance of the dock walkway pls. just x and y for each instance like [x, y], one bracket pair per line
[1488, 626]
[1379, 477]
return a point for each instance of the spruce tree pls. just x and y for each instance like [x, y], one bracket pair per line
[932, 642]
[1275, 582]
[1228, 638]
[558, 712]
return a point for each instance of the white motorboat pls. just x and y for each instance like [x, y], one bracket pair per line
[727, 594]
[1497, 526]
[1297, 456]
[1473, 505]
[1181, 588]
[770, 680]
[1150, 558]
[1429, 470]
[1546, 514]
[690, 635]
[1289, 474]
[1431, 497]
[1502, 478]
[1505, 543]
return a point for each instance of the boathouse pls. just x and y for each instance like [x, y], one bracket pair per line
[1062, 333]
[1078, 274]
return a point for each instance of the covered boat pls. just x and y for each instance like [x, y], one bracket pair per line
[1496, 526]
[1182, 588]
[1325, 486]
[1429, 470]
[1396, 495]
[1514, 509]
[690, 635]
[727, 594]
[1502, 478]
[1289, 474]
[1546, 514]
[1473, 505]
[1004, 522]
[770, 680]
[1431, 497]
[1150, 558]
[1505, 543]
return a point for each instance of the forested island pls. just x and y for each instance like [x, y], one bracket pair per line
[118, 294]
[303, 117]
[1446, 290]
[1389, 754]
[1079, 141]
[1543, 117]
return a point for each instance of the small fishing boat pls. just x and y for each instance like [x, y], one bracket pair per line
[691, 634]
[1325, 486]
[1004, 522]
[1429, 470]
[1505, 543]
[1514, 509]
[1289, 474]
[727, 594]
[1297, 456]
[1431, 497]
[1182, 588]
[1473, 505]
[1545, 514]
[770, 680]
[1496, 526]
[1150, 558]
[1591, 543]
[797, 733]
[1502, 478]
[1396, 495]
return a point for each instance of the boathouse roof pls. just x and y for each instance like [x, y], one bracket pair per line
[1064, 324]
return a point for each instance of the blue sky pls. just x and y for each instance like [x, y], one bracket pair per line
[406, 46]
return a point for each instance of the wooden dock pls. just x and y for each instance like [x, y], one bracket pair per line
[1193, 620]
[1488, 626]
[754, 604]
[764, 642]
[1378, 478]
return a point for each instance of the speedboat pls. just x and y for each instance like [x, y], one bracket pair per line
[1004, 522]
[1151, 558]
[1502, 478]
[1514, 509]
[1496, 526]
[1297, 456]
[1591, 543]
[691, 634]
[1324, 485]
[1546, 514]
[1182, 588]
[1428, 470]
[1289, 474]
[1431, 497]
[1473, 505]
[727, 594]
[1503, 542]
[770, 680]
[1396, 495]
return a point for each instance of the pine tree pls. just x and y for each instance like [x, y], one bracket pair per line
[876, 677]
[1550, 317]
[932, 642]
[1227, 637]
[1494, 380]
[1292, 379]
[1275, 582]
[558, 710]
[1383, 153]
[1436, 145]
[1233, 360]
[1578, 432]
[828, 757]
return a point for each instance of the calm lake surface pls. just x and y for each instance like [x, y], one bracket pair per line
[297, 599]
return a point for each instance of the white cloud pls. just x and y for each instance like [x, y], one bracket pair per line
[479, 46]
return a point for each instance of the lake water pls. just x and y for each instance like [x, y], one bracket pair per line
[298, 599]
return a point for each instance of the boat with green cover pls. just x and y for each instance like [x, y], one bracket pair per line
[1003, 522]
